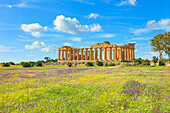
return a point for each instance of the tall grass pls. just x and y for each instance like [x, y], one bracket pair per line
[122, 89]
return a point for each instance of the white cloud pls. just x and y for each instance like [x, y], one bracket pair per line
[30, 55]
[34, 28]
[106, 1]
[163, 24]
[127, 2]
[67, 44]
[139, 38]
[22, 36]
[9, 6]
[4, 48]
[107, 35]
[84, 1]
[149, 55]
[76, 39]
[55, 45]
[40, 45]
[93, 15]
[88, 42]
[36, 45]
[8, 49]
[72, 26]
[96, 28]
[20, 5]
[48, 49]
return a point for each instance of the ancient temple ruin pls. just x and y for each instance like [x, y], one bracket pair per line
[101, 51]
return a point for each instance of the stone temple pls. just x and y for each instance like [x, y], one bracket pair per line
[101, 52]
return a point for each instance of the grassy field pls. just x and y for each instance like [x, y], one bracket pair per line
[85, 90]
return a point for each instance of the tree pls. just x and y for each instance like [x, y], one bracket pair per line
[47, 59]
[166, 37]
[158, 44]
[154, 59]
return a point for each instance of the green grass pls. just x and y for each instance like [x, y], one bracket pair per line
[93, 90]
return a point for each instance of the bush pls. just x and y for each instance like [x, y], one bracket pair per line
[22, 63]
[128, 64]
[11, 63]
[111, 64]
[145, 62]
[17, 64]
[99, 63]
[5, 65]
[69, 64]
[163, 60]
[26, 64]
[154, 59]
[106, 64]
[137, 61]
[31, 63]
[38, 64]
[161, 63]
[89, 64]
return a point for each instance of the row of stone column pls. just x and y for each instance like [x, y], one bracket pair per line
[118, 54]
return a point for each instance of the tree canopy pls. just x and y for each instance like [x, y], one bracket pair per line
[161, 43]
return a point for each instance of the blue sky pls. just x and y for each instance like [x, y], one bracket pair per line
[33, 29]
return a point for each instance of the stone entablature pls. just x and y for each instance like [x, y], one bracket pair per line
[112, 52]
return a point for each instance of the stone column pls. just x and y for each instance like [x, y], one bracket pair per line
[120, 54]
[70, 55]
[110, 53]
[105, 53]
[59, 55]
[78, 54]
[74, 56]
[90, 54]
[130, 54]
[96, 55]
[127, 50]
[115, 54]
[101, 53]
[133, 53]
[86, 58]
[82, 53]
[62, 55]
[125, 56]
[66, 55]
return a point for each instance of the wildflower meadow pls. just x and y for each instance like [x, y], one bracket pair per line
[85, 89]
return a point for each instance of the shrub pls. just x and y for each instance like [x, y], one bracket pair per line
[22, 63]
[11, 63]
[163, 60]
[99, 63]
[31, 63]
[17, 64]
[5, 65]
[26, 64]
[154, 59]
[111, 64]
[137, 61]
[69, 64]
[128, 64]
[161, 63]
[106, 64]
[89, 64]
[145, 62]
[38, 64]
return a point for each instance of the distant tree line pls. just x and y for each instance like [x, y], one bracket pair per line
[30, 63]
